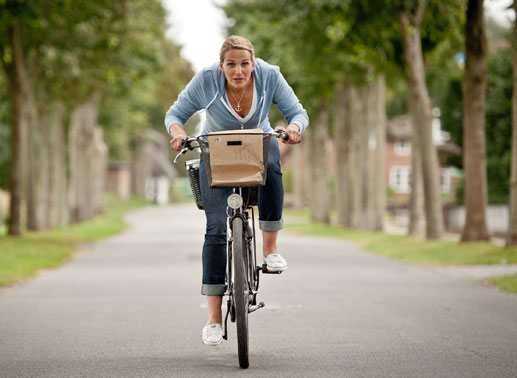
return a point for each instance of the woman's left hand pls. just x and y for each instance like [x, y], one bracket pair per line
[294, 134]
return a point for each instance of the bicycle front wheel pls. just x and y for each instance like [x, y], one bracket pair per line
[240, 291]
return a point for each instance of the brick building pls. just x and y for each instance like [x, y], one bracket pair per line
[398, 157]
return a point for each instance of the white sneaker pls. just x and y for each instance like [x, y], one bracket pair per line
[212, 334]
[275, 263]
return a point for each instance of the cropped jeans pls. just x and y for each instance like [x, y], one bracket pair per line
[270, 204]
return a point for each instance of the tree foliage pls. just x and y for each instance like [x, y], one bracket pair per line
[77, 49]
[499, 126]
[319, 43]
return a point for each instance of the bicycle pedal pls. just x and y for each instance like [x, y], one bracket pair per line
[256, 307]
[265, 271]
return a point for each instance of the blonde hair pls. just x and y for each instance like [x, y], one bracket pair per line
[236, 42]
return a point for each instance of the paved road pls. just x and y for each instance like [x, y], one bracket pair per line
[130, 307]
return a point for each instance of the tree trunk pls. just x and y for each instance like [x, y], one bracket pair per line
[320, 193]
[44, 162]
[79, 144]
[363, 120]
[361, 163]
[33, 158]
[38, 157]
[88, 164]
[342, 143]
[511, 238]
[99, 169]
[422, 120]
[18, 88]
[416, 200]
[355, 156]
[368, 138]
[379, 185]
[474, 156]
[58, 173]
[369, 125]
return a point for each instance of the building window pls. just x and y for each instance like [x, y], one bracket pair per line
[402, 147]
[400, 179]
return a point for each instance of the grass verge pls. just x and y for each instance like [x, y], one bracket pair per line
[412, 249]
[21, 257]
[407, 248]
[507, 283]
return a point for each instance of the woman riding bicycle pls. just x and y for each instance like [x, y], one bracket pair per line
[237, 94]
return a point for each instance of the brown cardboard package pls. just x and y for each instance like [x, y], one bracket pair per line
[237, 158]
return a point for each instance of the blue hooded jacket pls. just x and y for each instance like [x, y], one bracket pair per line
[207, 90]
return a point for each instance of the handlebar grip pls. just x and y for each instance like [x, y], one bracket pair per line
[284, 136]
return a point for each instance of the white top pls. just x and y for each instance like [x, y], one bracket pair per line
[252, 109]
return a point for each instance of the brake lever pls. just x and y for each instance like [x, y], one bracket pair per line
[182, 152]
[186, 147]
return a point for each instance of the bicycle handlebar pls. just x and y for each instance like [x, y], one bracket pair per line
[186, 143]
[281, 134]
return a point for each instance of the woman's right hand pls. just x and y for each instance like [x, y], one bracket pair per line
[178, 134]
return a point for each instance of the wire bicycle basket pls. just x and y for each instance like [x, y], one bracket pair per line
[193, 179]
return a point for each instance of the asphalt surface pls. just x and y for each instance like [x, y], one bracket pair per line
[130, 306]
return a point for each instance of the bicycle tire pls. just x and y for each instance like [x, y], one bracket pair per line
[240, 291]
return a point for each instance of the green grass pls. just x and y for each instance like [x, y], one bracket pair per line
[21, 257]
[507, 283]
[407, 248]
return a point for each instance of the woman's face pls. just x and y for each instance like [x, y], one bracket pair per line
[237, 67]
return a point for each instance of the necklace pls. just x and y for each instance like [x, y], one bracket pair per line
[238, 107]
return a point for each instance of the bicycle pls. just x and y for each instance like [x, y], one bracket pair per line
[242, 271]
